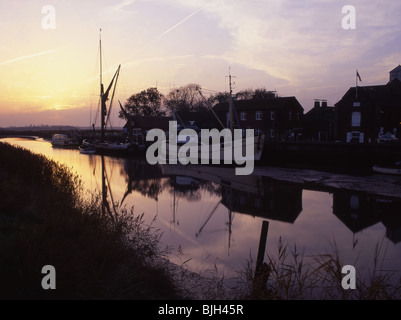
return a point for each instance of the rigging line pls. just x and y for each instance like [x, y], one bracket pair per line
[385, 252]
[210, 90]
[111, 193]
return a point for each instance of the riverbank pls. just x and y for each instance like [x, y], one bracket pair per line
[44, 220]
[374, 184]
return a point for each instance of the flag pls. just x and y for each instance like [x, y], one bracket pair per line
[357, 74]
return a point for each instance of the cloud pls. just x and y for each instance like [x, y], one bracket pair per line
[300, 41]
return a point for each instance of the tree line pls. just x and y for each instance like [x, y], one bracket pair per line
[151, 102]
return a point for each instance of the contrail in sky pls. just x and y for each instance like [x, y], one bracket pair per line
[155, 39]
[178, 24]
[167, 31]
[27, 57]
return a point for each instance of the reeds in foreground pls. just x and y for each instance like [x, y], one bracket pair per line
[291, 275]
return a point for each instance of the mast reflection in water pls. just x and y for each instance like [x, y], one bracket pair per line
[214, 218]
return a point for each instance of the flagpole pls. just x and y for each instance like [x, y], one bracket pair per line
[356, 86]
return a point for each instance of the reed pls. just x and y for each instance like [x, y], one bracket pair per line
[292, 275]
[45, 219]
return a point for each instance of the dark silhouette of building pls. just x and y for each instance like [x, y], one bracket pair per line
[279, 118]
[276, 201]
[197, 120]
[395, 73]
[367, 114]
[359, 211]
[137, 127]
[319, 122]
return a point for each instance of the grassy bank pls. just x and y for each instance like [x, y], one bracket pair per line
[44, 220]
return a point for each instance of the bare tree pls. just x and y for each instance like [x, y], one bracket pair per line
[186, 98]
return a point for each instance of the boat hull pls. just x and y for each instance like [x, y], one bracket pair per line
[106, 148]
[387, 170]
[62, 141]
[208, 156]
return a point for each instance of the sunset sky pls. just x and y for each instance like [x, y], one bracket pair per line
[298, 48]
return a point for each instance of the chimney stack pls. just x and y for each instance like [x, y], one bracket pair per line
[324, 103]
[317, 103]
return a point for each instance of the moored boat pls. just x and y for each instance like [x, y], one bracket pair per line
[60, 140]
[390, 169]
[104, 144]
[87, 150]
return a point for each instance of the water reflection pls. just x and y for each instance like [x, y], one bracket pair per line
[259, 196]
[252, 195]
[359, 211]
[216, 217]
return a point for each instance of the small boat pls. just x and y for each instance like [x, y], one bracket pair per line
[390, 169]
[62, 141]
[87, 150]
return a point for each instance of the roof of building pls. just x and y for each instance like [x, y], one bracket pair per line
[396, 69]
[273, 103]
[388, 94]
[146, 122]
[201, 118]
[319, 112]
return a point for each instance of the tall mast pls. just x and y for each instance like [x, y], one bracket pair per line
[231, 111]
[100, 48]
[103, 103]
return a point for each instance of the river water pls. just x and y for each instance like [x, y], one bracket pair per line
[212, 219]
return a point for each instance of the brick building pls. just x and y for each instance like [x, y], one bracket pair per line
[370, 113]
[319, 122]
[279, 118]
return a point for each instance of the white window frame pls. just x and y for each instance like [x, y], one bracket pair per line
[243, 116]
[272, 115]
[272, 133]
[356, 119]
[259, 115]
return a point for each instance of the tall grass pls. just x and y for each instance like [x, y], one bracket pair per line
[292, 275]
[46, 220]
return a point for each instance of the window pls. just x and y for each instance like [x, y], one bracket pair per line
[271, 133]
[356, 119]
[354, 202]
[243, 116]
[258, 132]
[259, 115]
[272, 115]
[290, 115]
